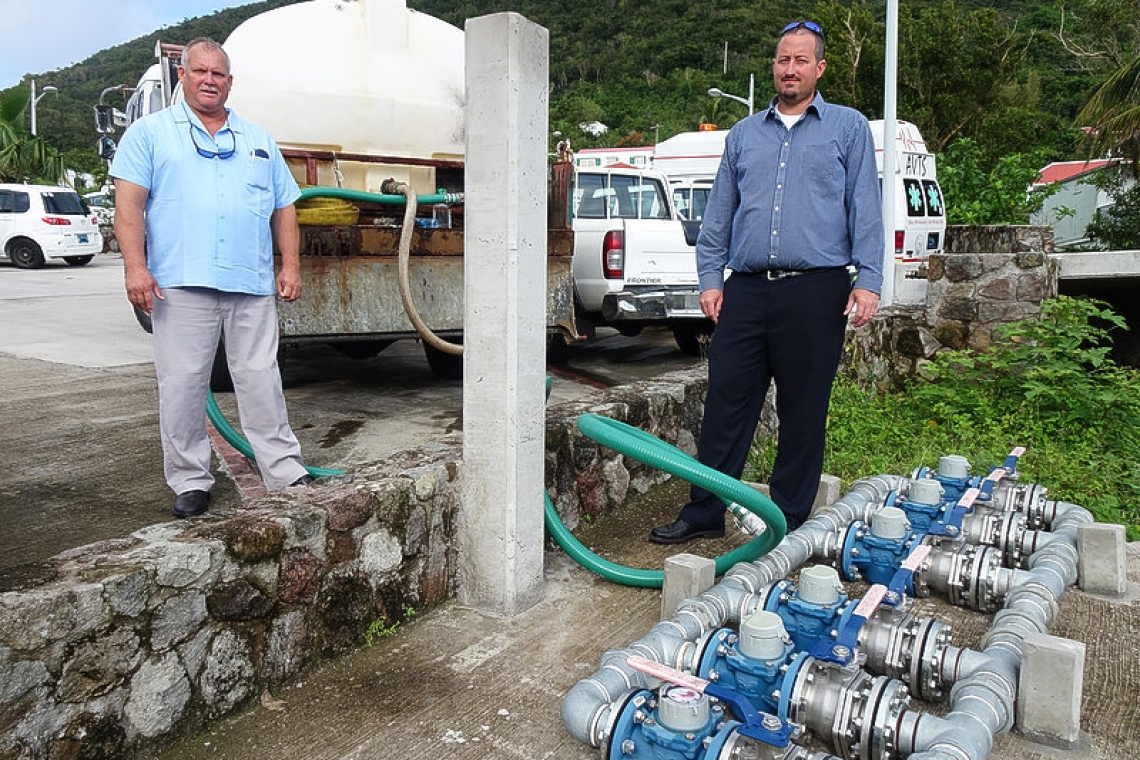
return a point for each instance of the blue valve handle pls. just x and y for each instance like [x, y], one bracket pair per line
[1010, 463]
[842, 650]
[896, 589]
[763, 727]
[952, 525]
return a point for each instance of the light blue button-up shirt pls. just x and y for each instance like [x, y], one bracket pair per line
[799, 198]
[207, 218]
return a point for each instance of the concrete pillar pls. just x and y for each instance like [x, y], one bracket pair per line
[504, 365]
[1102, 565]
[686, 576]
[1049, 690]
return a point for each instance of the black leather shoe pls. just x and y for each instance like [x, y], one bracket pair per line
[191, 503]
[304, 480]
[680, 531]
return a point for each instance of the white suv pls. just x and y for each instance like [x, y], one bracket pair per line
[39, 222]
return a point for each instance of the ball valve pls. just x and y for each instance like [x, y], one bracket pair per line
[750, 662]
[691, 718]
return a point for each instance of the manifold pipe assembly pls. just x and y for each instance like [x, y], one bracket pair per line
[590, 707]
[985, 682]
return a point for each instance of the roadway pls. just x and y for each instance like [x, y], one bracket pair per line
[79, 427]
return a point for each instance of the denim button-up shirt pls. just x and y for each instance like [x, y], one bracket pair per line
[799, 198]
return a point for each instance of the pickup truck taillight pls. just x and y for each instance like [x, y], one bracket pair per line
[613, 255]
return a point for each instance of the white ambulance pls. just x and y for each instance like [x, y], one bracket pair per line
[920, 211]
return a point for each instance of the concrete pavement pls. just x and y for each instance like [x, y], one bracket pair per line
[79, 427]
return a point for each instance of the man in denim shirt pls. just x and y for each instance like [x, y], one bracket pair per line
[795, 203]
[202, 196]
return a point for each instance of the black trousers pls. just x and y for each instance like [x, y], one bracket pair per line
[790, 331]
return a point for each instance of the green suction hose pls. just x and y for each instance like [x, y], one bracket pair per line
[647, 449]
[234, 438]
[631, 442]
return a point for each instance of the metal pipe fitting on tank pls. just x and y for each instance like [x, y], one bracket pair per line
[844, 705]
[1005, 531]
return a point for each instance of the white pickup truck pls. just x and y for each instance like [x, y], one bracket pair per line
[634, 261]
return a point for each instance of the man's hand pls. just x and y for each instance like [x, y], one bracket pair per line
[289, 283]
[142, 288]
[864, 304]
[711, 301]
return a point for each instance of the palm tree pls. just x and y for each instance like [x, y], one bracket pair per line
[1112, 115]
[23, 156]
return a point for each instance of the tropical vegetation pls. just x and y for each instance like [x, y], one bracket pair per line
[1017, 78]
[1049, 384]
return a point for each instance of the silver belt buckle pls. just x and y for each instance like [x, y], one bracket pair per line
[775, 274]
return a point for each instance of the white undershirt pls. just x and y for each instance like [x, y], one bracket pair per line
[788, 119]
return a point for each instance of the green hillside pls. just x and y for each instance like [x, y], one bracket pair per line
[1011, 75]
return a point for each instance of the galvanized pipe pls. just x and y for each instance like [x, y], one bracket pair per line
[589, 708]
[982, 699]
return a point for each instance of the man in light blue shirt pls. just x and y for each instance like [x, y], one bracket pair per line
[202, 196]
[795, 204]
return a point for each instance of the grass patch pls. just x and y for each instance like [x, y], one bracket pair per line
[1048, 384]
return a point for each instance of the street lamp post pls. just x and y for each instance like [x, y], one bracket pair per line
[37, 99]
[716, 92]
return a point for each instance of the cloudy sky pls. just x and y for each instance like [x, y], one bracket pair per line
[43, 35]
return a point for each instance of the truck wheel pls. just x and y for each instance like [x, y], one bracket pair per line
[693, 339]
[78, 261]
[558, 351]
[26, 254]
[444, 365]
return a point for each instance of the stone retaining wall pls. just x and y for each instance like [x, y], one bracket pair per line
[142, 638]
[988, 276]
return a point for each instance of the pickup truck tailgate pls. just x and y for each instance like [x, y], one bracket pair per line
[657, 254]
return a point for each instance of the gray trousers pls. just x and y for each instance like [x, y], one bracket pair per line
[187, 325]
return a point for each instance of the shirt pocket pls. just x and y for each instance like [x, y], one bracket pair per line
[258, 188]
[823, 162]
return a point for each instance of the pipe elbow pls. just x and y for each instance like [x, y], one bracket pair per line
[585, 712]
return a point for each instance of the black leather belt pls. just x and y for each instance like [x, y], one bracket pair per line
[783, 274]
[773, 275]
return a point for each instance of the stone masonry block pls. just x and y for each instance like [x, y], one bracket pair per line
[829, 491]
[1102, 567]
[686, 576]
[1049, 690]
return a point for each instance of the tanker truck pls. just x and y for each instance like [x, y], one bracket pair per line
[371, 104]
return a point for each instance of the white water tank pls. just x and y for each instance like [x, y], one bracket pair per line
[353, 76]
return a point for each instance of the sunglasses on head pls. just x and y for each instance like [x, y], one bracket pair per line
[811, 26]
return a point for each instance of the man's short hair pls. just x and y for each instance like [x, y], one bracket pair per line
[207, 43]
